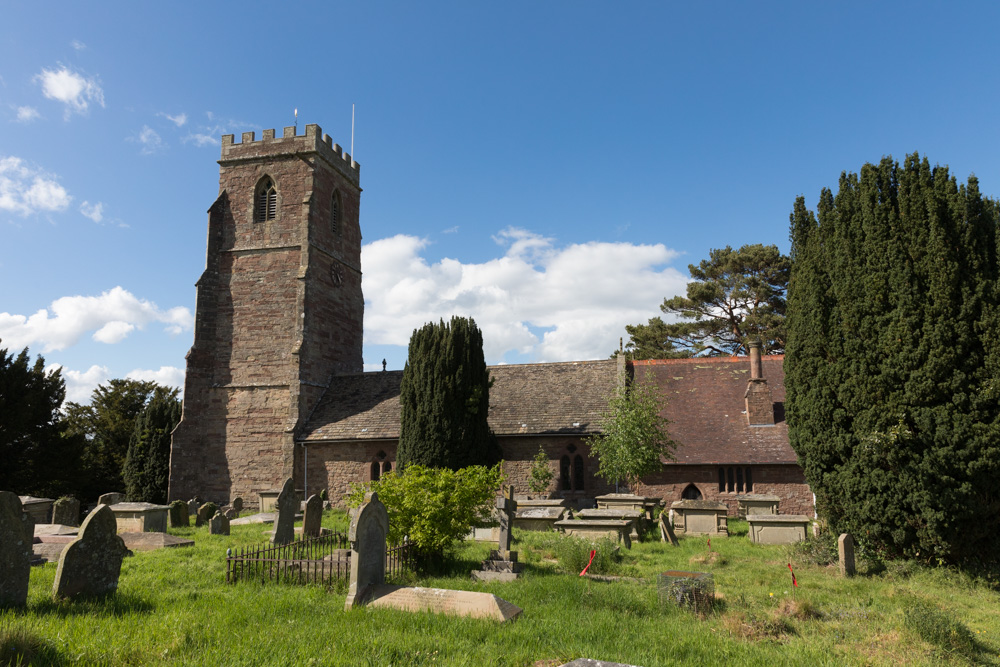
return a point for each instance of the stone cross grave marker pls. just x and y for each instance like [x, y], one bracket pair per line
[66, 511]
[501, 565]
[312, 520]
[17, 532]
[91, 564]
[218, 524]
[845, 550]
[179, 517]
[284, 525]
[369, 527]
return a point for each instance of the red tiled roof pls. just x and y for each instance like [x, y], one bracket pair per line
[707, 412]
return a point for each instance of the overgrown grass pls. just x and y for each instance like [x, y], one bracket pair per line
[173, 607]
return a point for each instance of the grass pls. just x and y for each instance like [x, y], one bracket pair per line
[173, 607]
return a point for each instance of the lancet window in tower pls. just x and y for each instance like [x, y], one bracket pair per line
[335, 213]
[265, 201]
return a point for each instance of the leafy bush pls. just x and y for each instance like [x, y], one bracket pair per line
[433, 506]
[541, 473]
[573, 554]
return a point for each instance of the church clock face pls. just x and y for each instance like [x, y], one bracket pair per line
[336, 275]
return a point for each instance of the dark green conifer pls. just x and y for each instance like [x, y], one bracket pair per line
[147, 463]
[445, 399]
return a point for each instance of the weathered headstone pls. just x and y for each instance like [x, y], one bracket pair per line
[284, 525]
[17, 531]
[218, 524]
[367, 533]
[179, 517]
[845, 550]
[206, 512]
[312, 519]
[231, 513]
[91, 564]
[66, 511]
[237, 504]
[112, 498]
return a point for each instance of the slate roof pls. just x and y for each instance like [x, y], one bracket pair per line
[706, 407]
[525, 399]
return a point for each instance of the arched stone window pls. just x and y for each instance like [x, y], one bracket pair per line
[375, 471]
[265, 200]
[691, 492]
[335, 213]
[564, 476]
[380, 465]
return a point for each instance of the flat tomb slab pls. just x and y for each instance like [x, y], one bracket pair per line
[756, 504]
[777, 528]
[153, 541]
[55, 529]
[628, 513]
[39, 509]
[260, 517]
[615, 529]
[140, 517]
[700, 517]
[541, 502]
[539, 518]
[443, 601]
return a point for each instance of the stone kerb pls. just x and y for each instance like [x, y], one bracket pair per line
[287, 504]
[312, 518]
[92, 563]
[17, 531]
[367, 533]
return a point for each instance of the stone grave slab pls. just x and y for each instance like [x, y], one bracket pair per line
[756, 503]
[260, 517]
[55, 529]
[443, 601]
[140, 517]
[287, 504]
[66, 511]
[312, 522]
[700, 517]
[205, 512]
[542, 502]
[628, 500]
[39, 509]
[153, 541]
[50, 547]
[92, 563]
[631, 514]
[218, 524]
[16, 538]
[596, 529]
[777, 528]
[667, 531]
[539, 518]
[237, 504]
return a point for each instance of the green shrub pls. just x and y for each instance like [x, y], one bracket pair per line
[820, 550]
[573, 555]
[433, 506]
[541, 473]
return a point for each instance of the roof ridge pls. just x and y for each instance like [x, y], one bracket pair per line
[702, 360]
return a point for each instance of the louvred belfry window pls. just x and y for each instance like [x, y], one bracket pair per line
[335, 213]
[266, 201]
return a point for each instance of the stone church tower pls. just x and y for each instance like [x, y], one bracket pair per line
[279, 312]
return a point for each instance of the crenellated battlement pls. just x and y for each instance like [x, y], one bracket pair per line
[290, 143]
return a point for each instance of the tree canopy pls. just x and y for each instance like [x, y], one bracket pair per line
[893, 358]
[445, 399]
[735, 296]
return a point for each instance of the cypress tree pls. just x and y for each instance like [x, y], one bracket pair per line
[892, 358]
[445, 399]
[147, 463]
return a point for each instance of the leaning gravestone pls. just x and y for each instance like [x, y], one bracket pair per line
[111, 498]
[218, 524]
[845, 550]
[369, 527]
[237, 504]
[312, 520]
[206, 512]
[179, 517]
[284, 526]
[17, 532]
[66, 511]
[91, 564]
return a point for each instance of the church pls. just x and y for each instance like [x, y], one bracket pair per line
[275, 386]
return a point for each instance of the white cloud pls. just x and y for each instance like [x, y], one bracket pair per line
[200, 140]
[80, 385]
[93, 211]
[149, 139]
[177, 120]
[546, 302]
[27, 190]
[78, 45]
[72, 89]
[111, 316]
[27, 114]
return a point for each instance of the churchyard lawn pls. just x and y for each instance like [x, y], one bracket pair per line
[173, 607]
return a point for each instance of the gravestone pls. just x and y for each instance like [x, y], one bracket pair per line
[369, 527]
[231, 513]
[179, 517]
[312, 520]
[112, 498]
[284, 525]
[17, 532]
[91, 564]
[206, 512]
[237, 504]
[39, 509]
[66, 511]
[501, 564]
[193, 506]
[845, 550]
[667, 531]
[218, 524]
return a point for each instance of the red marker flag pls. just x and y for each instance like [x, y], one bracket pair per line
[592, 554]
[794, 582]
[710, 544]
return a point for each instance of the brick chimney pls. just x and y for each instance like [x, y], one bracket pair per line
[760, 407]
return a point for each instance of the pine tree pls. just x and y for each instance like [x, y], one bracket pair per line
[444, 399]
[892, 358]
[147, 463]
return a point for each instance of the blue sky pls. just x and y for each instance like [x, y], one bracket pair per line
[550, 168]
